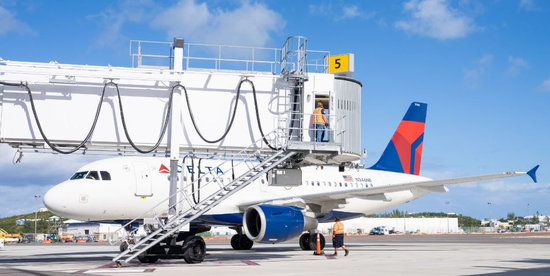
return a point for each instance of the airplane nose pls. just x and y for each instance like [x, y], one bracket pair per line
[53, 200]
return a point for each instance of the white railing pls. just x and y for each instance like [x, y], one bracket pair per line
[156, 54]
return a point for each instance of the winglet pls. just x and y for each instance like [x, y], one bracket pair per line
[533, 173]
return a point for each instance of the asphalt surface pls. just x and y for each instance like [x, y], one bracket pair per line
[472, 254]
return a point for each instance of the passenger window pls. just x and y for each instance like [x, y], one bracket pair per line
[79, 175]
[93, 175]
[105, 175]
[318, 183]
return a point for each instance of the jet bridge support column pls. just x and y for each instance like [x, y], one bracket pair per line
[175, 132]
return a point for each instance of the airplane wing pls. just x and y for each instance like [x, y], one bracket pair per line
[373, 192]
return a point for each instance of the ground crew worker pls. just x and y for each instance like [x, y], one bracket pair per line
[338, 236]
[319, 122]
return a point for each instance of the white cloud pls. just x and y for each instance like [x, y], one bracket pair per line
[41, 165]
[545, 85]
[508, 187]
[36, 173]
[21, 200]
[114, 19]
[8, 23]
[528, 5]
[339, 12]
[435, 19]
[350, 11]
[515, 65]
[473, 75]
[248, 24]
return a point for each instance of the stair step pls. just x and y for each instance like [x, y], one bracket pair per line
[172, 225]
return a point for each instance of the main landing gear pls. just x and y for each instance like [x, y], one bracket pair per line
[308, 241]
[241, 242]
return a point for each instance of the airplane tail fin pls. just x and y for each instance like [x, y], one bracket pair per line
[404, 150]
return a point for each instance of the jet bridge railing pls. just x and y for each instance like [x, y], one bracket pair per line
[304, 134]
[159, 54]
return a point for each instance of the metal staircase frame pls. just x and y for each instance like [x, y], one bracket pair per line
[184, 217]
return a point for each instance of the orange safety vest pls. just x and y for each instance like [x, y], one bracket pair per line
[319, 117]
[338, 228]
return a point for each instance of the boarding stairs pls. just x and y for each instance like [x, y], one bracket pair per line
[173, 224]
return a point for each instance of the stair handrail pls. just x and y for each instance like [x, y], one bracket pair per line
[244, 152]
[183, 219]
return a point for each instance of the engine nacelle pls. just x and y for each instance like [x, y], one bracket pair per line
[273, 223]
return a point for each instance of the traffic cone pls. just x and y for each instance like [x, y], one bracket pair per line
[318, 250]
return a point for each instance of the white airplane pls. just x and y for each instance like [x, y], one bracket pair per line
[121, 189]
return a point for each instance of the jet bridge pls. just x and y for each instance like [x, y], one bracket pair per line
[253, 105]
[186, 98]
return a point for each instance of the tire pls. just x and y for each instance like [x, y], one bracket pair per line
[304, 242]
[313, 241]
[123, 246]
[147, 259]
[194, 250]
[236, 242]
[245, 243]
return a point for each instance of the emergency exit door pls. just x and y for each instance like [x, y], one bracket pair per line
[144, 180]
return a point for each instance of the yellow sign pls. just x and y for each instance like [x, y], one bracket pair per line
[341, 64]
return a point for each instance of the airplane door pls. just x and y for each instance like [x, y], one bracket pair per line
[144, 180]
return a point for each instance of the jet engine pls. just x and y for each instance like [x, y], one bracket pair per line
[273, 223]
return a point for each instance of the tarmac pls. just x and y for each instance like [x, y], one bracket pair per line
[466, 254]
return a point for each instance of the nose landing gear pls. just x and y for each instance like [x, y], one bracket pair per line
[191, 248]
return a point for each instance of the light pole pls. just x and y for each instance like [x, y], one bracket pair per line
[36, 197]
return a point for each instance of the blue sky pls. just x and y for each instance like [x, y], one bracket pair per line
[482, 67]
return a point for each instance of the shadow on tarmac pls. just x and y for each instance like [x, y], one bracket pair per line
[521, 271]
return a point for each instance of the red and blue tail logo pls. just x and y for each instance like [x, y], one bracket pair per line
[404, 151]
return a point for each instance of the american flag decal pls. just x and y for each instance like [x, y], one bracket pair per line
[347, 177]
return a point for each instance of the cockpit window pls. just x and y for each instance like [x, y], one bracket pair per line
[105, 175]
[79, 175]
[93, 175]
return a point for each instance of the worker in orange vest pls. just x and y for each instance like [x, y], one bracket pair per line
[319, 121]
[338, 236]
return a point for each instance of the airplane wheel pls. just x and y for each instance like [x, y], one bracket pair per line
[235, 242]
[148, 259]
[194, 250]
[245, 243]
[304, 242]
[123, 246]
[313, 241]
[143, 258]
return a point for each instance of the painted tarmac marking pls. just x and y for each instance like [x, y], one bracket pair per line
[120, 270]
[248, 262]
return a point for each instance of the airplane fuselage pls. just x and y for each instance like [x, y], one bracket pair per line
[137, 185]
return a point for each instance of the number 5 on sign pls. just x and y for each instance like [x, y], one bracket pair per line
[341, 64]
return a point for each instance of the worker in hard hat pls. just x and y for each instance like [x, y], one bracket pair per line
[320, 121]
[338, 236]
